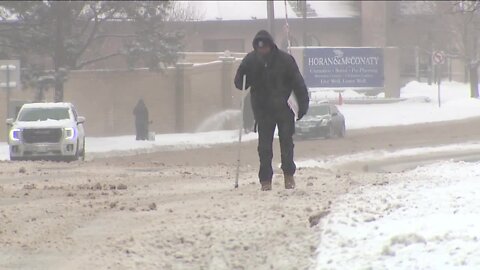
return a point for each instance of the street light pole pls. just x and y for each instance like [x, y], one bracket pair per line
[271, 18]
[8, 91]
[304, 22]
[7, 69]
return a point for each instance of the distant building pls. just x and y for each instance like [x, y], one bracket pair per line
[218, 26]
[231, 25]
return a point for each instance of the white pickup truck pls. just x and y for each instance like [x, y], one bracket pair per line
[47, 131]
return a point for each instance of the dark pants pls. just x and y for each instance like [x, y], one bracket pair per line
[285, 121]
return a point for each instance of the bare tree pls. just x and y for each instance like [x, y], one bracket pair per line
[184, 11]
[66, 34]
[463, 23]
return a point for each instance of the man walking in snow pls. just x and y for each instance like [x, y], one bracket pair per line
[272, 75]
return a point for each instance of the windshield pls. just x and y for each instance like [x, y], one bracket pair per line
[43, 114]
[319, 110]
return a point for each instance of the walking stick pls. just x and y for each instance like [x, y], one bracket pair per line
[240, 130]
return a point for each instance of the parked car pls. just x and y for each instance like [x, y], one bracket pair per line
[47, 131]
[322, 120]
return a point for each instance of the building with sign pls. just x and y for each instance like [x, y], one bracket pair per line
[217, 26]
[385, 32]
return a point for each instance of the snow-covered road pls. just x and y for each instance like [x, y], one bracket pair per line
[456, 105]
[425, 218]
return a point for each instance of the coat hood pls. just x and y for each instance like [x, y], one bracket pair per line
[265, 37]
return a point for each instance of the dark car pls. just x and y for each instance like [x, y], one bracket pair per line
[322, 120]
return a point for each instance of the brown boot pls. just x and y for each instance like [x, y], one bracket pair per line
[289, 182]
[266, 186]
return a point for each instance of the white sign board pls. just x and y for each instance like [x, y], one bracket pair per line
[14, 74]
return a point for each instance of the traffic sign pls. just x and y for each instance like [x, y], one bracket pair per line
[438, 57]
[9, 74]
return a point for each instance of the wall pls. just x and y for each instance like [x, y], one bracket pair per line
[206, 57]
[205, 96]
[329, 31]
[17, 96]
[107, 98]
[179, 99]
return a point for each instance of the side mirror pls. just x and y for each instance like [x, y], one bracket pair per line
[9, 121]
[81, 120]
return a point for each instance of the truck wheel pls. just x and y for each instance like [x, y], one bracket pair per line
[15, 158]
[82, 153]
[74, 157]
[342, 131]
[331, 132]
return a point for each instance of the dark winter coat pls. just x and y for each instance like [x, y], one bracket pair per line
[272, 79]
[141, 112]
[141, 120]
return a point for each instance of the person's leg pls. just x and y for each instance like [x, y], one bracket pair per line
[286, 129]
[266, 129]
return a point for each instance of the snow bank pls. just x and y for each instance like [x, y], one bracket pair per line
[429, 220]
[167, 141]
[127, 145]
[421, 106]
[317, 94]
[330, 162]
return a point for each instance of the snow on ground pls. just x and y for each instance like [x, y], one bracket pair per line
[427, 219]
[127, 145]
[330, 162]
[421, 106]
[332, 94]
[166, 141]
[424, 219]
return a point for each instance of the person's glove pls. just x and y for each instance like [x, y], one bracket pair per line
[301, 114]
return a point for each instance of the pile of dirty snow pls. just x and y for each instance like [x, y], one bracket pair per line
[428, 220]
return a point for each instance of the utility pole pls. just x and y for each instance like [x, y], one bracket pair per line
[271, 18]
[304, 22]
[7, 71]
[417, 64]
[8, 85]
[59, 59]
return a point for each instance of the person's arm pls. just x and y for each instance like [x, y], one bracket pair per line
[299, 88]
[243, 69]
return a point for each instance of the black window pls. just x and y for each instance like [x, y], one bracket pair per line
[319, 110]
